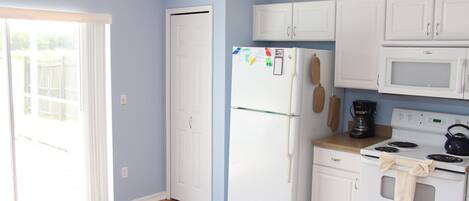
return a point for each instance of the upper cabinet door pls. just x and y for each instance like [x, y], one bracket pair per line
[451, 20]
[409, 19]
[272, 22]
[314, 21]
[360, 31]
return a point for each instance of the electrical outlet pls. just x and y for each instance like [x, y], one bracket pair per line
[125, 172]
[123, 100]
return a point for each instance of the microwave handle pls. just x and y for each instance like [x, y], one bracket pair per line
[377, 81]
[462, 76]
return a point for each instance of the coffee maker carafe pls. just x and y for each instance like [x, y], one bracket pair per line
[363, 112]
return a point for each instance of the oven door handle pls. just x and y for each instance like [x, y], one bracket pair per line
[437, 174]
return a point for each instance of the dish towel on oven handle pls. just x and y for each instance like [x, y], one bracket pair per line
[406, 181]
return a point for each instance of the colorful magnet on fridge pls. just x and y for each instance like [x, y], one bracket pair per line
[251, 60]
[268, 62]
[236, 51]
[267, 52]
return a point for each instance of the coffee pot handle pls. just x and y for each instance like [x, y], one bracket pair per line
[351, 111]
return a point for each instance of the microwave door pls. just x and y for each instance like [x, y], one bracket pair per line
[419, 72]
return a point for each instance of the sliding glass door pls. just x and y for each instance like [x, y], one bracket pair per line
[52, 140]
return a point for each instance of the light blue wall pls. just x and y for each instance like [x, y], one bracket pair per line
[137, 70]
[386, 103]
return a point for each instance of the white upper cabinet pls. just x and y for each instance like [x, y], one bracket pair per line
[304, 21]
[314, 21]
[427, 20]
[451, 20]
[409, 19]
[273, 22]
[359, 33]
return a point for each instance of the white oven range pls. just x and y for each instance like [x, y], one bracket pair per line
[417, 135]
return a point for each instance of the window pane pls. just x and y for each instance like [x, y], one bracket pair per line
[51, 147]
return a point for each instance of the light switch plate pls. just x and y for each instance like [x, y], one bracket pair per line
[123, 100]
[125, 172]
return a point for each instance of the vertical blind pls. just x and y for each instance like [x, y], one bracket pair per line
[93, 32]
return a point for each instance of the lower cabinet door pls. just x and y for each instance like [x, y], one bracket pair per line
[330, 184]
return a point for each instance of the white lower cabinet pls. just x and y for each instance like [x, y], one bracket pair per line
[335, 177]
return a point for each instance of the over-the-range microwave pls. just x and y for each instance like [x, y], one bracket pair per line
[433, 72]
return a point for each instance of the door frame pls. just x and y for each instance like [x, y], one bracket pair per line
[169, 13]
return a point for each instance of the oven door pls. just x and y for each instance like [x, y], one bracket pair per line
[439, 186]
[434, 72]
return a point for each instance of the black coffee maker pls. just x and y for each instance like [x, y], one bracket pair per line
[363, 113]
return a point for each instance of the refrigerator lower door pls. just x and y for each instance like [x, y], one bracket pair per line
[260, 163]
[256, 85]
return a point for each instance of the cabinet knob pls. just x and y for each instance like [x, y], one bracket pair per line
[190, 122]
[427, 52]
[336, 159]
[428, 28]
[288, 31]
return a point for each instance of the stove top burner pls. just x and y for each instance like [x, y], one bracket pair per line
[387, 149]
[444, 158]
[405, 145]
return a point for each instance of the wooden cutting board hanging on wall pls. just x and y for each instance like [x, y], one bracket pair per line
[319, 94]
[319, 99]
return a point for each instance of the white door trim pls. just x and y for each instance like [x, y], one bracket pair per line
[170, 12]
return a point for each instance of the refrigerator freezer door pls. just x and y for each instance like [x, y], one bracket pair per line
[260, 86]
[260, 166]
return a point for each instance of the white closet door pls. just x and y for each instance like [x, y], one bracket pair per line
[191, 107]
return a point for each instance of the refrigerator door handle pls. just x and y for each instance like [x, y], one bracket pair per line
[293, 125]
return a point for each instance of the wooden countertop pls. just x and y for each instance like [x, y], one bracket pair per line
[343, 142]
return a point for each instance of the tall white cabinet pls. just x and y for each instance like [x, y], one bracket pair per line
[301, 21]
[359, 33]
[425, 20]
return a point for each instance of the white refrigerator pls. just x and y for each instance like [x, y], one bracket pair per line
[273, 123]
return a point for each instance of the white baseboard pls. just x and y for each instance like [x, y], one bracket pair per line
[155, 197]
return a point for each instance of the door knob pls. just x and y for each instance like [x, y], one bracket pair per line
[190, 122]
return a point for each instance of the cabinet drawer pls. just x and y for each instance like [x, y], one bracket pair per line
[337, 159]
